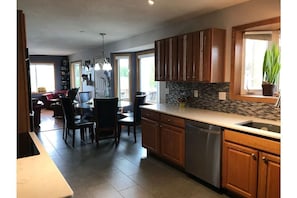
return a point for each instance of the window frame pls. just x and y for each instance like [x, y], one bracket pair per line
[236, 61]
[116, 70]
[72, 74]
[43, 63]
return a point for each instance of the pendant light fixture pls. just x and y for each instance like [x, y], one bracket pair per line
[103, 64]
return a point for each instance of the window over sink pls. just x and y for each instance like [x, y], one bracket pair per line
[249, 42]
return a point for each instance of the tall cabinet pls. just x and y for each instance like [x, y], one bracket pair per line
[23, 99]
[196, 57]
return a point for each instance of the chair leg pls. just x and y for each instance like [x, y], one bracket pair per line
[134, 130]
[73, 139]
[91, 132]
[82, 134]
[119, 132]
[128, 130]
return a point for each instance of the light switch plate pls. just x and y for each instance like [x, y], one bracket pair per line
[195, 93]
[222, 95]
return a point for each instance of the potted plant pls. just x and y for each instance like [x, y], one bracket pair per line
[271, 69]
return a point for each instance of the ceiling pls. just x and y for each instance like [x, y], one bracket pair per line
[59, 27]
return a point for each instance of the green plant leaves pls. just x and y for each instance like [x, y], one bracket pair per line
[271, 65]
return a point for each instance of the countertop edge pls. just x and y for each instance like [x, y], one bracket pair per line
[39, 172]
[225, 120]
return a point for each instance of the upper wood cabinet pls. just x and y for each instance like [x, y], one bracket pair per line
[197, 56]
[23, 101]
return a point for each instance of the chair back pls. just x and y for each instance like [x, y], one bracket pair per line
[106, 112]
[68, 111]
[139, 100]
[84, 96]
[72, 93]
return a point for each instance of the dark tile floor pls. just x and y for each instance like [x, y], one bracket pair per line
[110, 171]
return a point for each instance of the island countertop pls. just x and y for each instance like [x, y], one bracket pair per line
[225, 120]
[38, 176]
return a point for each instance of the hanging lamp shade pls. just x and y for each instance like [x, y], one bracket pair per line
[103, 64]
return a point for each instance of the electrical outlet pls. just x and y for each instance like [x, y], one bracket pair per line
[195, 93]
[222, 95]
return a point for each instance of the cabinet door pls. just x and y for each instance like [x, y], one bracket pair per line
[159, 60]
[173, 144]
[269, 176]
[181, 57]
[150, 135]
[172, 59]
[197, 66]
[212, 55]
[240, 169]
[23, 100]
[189, 56]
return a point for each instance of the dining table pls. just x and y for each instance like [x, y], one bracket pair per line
[90, 104]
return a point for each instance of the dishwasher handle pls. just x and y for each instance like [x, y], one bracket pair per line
[203, 126]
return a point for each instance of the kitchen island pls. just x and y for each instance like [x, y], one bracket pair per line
[38, 176]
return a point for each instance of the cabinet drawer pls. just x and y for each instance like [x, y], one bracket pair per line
[153, 115]
[172, 120]
[259, 143]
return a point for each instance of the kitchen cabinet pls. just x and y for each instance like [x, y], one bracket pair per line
[23, 100]
[200, 57]
[150, 130]
[160, 60]
[164, 135]
[172, 137]
[251, 165]
[166, 59]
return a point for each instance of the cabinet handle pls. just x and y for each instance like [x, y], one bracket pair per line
[254, 156]
[168, 120]
[264, 159]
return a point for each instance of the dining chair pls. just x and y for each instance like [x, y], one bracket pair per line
[72, 93]
[71, 123]
[105, 111]
[84, 96]
[133, 119]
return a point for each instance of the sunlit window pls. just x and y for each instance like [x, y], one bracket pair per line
[255, 45]
[147, 81]
[42, 75]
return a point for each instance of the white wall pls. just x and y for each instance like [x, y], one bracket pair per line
[251, 11]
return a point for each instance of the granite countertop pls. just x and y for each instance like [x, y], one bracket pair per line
[38, 176]
[225, 120]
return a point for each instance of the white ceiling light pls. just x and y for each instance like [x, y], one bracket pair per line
[151, 2]
[103, 62]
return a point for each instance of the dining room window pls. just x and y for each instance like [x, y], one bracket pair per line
[42, 77]
[75, 72]
[146, 76]
[123, 77]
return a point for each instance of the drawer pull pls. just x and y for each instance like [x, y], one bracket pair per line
[254, 156]
[264, 159]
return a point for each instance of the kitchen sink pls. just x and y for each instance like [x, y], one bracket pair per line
[263, 126]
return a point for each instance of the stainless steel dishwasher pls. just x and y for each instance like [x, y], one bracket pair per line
[203, 152]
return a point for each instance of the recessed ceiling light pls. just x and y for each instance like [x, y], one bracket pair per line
[151, 2]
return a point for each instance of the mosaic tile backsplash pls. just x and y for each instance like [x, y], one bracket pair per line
[208, 99]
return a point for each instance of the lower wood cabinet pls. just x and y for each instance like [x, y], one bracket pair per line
[173, 143]
[164, 135]
[251, 165]
[150, 135]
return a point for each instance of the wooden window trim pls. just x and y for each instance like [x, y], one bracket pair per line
[236, 62]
